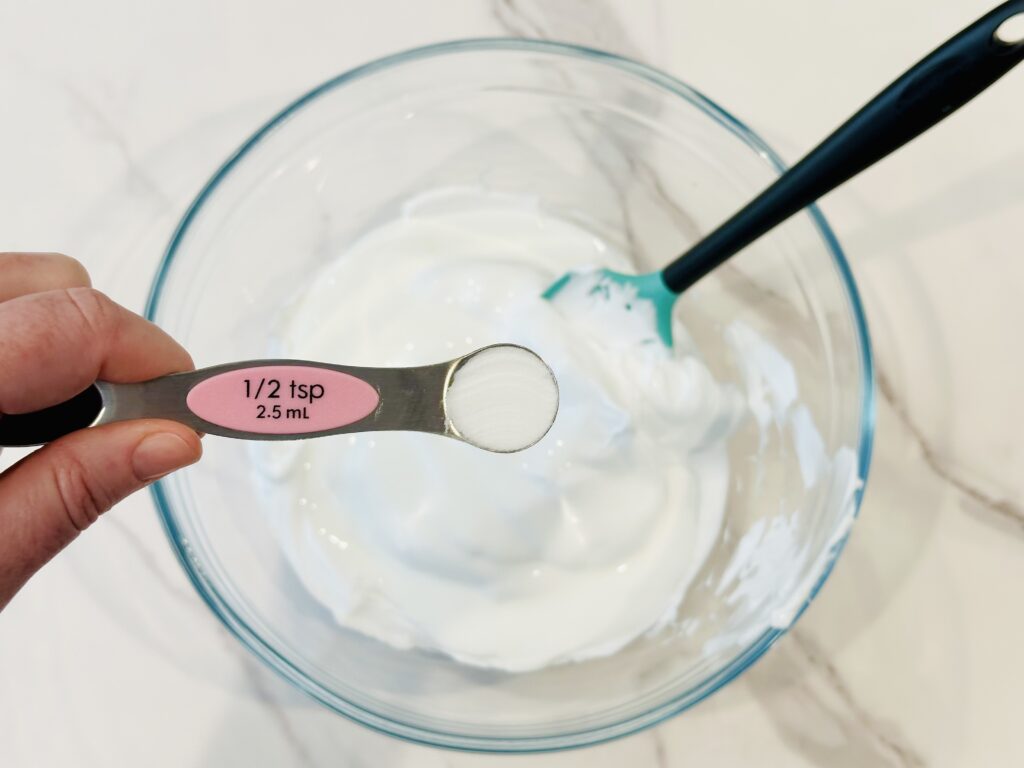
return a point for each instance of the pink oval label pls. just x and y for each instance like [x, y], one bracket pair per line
[282, 399]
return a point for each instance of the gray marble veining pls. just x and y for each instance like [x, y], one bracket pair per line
[907, 658]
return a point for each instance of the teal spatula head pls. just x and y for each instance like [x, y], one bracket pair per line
[927, 93]
[622, 295]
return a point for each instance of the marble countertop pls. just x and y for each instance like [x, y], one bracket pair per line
[115, 112]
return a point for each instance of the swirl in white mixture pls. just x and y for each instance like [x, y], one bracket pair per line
[566, 551]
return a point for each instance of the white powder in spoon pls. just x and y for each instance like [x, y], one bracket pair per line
[503, 398]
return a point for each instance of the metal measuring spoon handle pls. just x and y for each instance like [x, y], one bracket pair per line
[267, 400]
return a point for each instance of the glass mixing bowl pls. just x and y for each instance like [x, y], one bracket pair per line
[643, 162]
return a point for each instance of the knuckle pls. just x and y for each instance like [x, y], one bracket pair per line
[81, 498]
[94, 310]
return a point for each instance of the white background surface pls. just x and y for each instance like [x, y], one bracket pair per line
[115, 112]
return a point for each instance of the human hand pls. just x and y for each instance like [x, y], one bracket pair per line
[58, 336]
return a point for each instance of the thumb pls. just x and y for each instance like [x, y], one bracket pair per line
[54, 494]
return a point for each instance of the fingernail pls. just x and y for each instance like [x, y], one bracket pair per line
[161, 453]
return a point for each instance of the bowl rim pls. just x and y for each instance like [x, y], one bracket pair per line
[570, 739]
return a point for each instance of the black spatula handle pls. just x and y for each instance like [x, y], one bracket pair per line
[939, 84]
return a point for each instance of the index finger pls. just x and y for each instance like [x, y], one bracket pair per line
[55, 344]
[23, 273]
